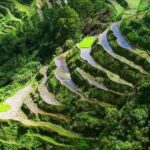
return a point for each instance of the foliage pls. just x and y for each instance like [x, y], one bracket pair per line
[137, 30]
[31, 32]
[144, 5]
[123, 3]
[143, 92]
[130, 128]
[83, 7]
[68, 22]
[103, 58]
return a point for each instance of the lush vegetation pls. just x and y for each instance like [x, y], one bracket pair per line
[137, 30]
[103, 99]
[4, 107]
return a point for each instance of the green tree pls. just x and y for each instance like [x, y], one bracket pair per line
[143, 92]
[68, 25]
[83, 7]
[99, 5]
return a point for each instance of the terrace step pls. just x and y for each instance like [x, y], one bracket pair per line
[48, 139]
[86, 55]
[105, 44]
[16, 114]
[92, 81]
[93, 89]
[34, 109]
[74, 60]
[46, 96]
[123, 43]
[133, 4]
[50, 127]
[63, 75]
[16, 102]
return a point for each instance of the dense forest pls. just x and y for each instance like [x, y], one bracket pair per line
[74, 75]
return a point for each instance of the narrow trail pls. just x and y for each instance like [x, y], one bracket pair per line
[46, 96]
[49, 140]
[105, 44]
[9, 142]
[86, 55]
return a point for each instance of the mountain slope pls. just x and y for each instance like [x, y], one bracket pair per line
[59, 91]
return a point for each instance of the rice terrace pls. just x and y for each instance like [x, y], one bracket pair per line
[75, 75]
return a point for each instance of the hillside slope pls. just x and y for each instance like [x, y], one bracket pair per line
[61, 91]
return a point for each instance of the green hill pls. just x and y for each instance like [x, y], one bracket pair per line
[74, 75]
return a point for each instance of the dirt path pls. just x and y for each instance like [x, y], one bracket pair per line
[46, 96]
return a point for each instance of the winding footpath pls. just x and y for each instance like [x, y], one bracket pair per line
[46, 96]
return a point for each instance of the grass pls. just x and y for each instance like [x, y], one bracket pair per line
[119, 9]
[87, 42]
[51, 127]
[4, 107]
[133, 4]
[21, 7]
[47, 139]
[9, 142]
[143, 54]
[143, 5]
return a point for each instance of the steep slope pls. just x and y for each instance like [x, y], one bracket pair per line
[93, 95]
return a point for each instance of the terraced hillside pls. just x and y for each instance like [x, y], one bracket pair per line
[89, 76]
[89, 97]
